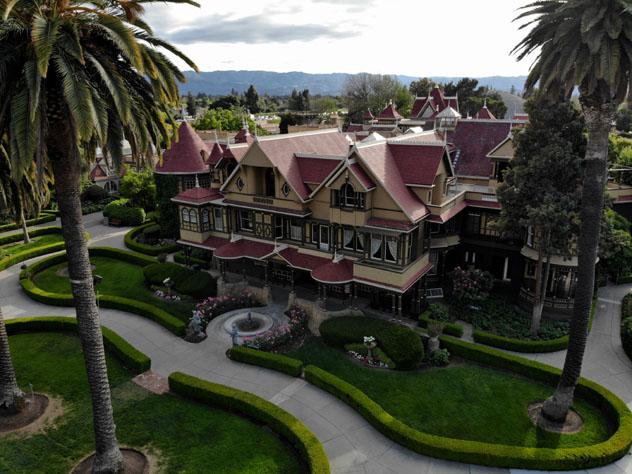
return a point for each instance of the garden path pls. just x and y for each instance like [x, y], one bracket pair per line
[352, 445]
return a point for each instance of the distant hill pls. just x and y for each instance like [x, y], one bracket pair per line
[282, 83]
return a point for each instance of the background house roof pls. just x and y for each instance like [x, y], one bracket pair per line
[474, 139]
[185, 154]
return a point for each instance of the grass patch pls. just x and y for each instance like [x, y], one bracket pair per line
[119, 279]
[191, 437]
[13, 248]
[462, 401]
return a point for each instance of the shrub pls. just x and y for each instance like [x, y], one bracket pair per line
[259, 409]
[156, 273]
[121, 211]
[452, 329]
[212, 307]
[139, 187]
[401, 344]
[153, 250]
[188, 282]
[277, 362]
[438, 312]
[439, 358]
[94, 193]
[279, 336]
[129, 356]
[471, 285]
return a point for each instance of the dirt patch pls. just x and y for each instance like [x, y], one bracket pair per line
[134, 462]
[573, 423]
[153, 382]
[63, 271]
[41, 412]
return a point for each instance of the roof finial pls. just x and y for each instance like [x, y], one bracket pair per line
[485, 103]
[197, 181]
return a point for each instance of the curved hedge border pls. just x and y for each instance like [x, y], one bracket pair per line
[158, 315]
[43, 219]
[261, 410]
[130, 357]
[490, 454]
[451, 329]
[153, 250]
[526, 346]
[277, 362]
[33, 252]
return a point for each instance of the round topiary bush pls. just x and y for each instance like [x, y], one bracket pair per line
[157, 273]
[94, 193]
[187, 282]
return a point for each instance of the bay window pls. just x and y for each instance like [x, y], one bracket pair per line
[384, 248]
[245, 221]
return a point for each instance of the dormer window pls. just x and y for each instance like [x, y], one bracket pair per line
[347, 197]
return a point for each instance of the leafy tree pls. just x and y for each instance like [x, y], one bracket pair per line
[191, 106]
[139, 188]
[168, 219]
[225, 120]
[299, 100]
[75, 76]
[251, 100]
[585, 44]
[623, 120]
[472, 97]
[325, 105]
[615, 247]
[226, 102]
[534, 198]
[421, 87]
[373, 91]
[287, 120]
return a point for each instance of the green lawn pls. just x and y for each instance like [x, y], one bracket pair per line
[13, 248]
[463, 400]
[191, 437]
[119, 279]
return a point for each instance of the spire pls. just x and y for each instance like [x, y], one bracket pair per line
[485, 103]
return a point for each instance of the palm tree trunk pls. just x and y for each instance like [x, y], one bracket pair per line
[536, 312]
[599, 122]
[65, 159]
[11, 397]
[25, 231]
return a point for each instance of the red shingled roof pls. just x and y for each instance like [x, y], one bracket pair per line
[281, 151]
[334, 273]
[389, 224]
[474, 140]
[436, 100]
[368, 115]
[198, 196]
[302, 261]
[211, 243]
[379, 160]
[244, 248]
[98, 173]
[354, 127]
[185, 154]
[418, 164]
[364, 178]
[244, 136]
[449, 214]
[315, 170]
[215, 155]
[390, 113]
[484, 114]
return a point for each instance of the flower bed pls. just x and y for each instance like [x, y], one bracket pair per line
[282, 335]
[215, 306]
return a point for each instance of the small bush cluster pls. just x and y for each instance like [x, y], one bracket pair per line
[277, 362]
[401, 344]
[282, 335]
[439, 358]
[470, 286]
[148, 232]
[212, 307]
[626, 324]
[121, 212]
[187, 282]
[259, 409]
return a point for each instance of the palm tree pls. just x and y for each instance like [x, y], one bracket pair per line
[585, 44]
[11, 397]
[75, 75]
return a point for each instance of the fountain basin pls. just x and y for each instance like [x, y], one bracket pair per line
[261, 323]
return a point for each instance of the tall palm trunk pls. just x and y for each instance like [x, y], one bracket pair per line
[599, 122]
[538, 301]
[64, 157]
[11, 397]
[25, 230]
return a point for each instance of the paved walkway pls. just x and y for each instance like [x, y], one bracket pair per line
[352, 445]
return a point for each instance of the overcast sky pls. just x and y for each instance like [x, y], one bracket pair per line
[411, 37]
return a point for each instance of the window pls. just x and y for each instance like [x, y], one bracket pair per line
[218, 219]
[470, 257]
[377, 247]
[204, 180]
[270, 183]
[315, 233]
[189, 219]
[245, 221]
[348, 239]
[296, 231]
[285, 189]
[433, 256]
[530, 236]
[206, 221]
[240, 183]
[324, 237]
[348, 195]
[278, 227]
[473, 224]
[435, 228]
[412, 246]
[390, 254]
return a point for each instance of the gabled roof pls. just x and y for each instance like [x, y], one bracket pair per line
[281, 151]
[484, 114]
[368, 115]
[215, 154]
[316, 170]
[436, 100]
[244, 136]
[448, 112]
[185, 155]
[382, 166]
[233, 152]
[389, 113]
[418, 164]
[474, 139]
[98, 173]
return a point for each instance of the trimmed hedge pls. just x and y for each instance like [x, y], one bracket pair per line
[153, 250]
[401, 344]
[188, 282]
[17, 237]
[451, 329]
[259, 409]
[130, 357]
[490, 454]
[121, 210]
[43, 219]
[526, 345]
[158, 315]
[179, 257]
[269, 360]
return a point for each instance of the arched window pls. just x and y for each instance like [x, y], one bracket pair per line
[189, 219]
[347, 195]
[206, 221]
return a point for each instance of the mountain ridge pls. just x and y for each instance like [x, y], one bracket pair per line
[281, 83]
